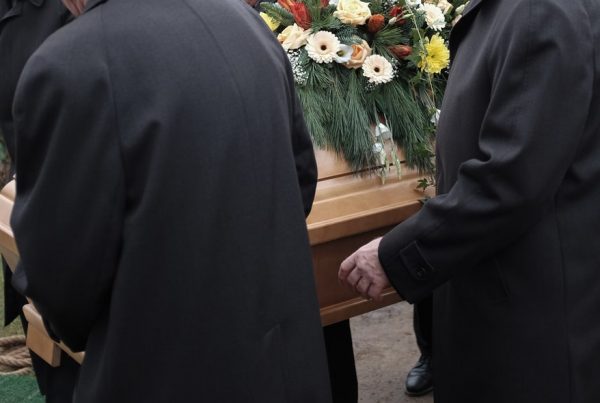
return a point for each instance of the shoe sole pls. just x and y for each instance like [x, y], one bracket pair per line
[420, 393]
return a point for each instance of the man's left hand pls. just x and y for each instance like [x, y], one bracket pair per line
[363, 272]
[76, 7]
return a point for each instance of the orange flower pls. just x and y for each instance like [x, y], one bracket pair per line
[376, 22]
[287, 4]
[360, 51]
[301, 15]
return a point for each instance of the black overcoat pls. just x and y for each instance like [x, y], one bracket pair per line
[159, 210]
[511, 243]
[24, 25]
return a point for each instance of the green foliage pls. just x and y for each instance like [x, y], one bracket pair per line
[409, 122]
[315, 98]
[326, 23]
[388, 36]
[343, 106]
[347, 34]
[15, 327]
[4, 162]
[377, 7]
[3, 151]
[352, 133]
[277, 13]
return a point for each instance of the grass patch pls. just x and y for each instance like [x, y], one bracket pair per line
[18, 389]
[15, 327]
[15, 389]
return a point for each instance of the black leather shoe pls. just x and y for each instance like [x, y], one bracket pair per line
[419, 380]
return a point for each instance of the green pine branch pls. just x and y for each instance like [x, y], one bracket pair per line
[279, 14]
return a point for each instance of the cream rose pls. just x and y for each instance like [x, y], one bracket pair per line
[444, 6]
[293, 37]
[353, 12]
[360, 51]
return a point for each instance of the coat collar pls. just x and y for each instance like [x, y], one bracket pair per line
[91, 4]
[462, 25]
[471, 6]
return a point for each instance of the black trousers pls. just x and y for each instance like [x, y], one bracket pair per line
[340, 357]
[422, 324]
[56, 384]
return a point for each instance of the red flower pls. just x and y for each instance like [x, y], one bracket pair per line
[401, 51]
[287, 4]
[301, 15]
[324, 3]
[376, 22]
[396, 11]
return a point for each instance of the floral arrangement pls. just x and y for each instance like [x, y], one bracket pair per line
[370, 74]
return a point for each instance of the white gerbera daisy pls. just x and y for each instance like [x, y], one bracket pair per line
[323, 47]
[434, 16]
[378, 69]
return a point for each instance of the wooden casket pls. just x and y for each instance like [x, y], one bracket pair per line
[349, 211]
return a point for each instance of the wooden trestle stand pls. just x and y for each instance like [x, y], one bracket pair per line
[349, 211]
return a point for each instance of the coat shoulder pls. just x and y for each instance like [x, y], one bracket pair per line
[544, 12]
[74, 45]
[74, 53]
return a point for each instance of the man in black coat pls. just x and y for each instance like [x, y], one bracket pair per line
[338, 337]
[24, 25]
[161, 198]
[510, 244]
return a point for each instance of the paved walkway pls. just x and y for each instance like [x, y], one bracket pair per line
[385, 350]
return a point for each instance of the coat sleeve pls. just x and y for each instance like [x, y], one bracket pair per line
[540, 96]
[304, 154]
[70, 202]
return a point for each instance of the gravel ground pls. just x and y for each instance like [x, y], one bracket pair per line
[385, 350]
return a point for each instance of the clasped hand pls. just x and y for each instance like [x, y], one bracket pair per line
[362, 271]
[76, 7]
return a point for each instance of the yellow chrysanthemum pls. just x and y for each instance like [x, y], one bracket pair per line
[436, 56]
[272, 24]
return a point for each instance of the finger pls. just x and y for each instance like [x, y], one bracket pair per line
[71, 7]
[81, 5]
[346, 267]
[362, 287]
[352, 279]
[375, 292]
